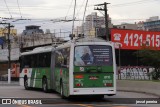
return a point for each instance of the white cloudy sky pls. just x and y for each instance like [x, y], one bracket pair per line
[42, 10]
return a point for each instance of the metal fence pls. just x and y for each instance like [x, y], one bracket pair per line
[134, 72]
[4, 77]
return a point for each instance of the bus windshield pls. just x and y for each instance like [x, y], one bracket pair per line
[98, 55]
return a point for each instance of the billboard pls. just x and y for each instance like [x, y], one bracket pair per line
[1, 41]
[4, 31]
[135, 39]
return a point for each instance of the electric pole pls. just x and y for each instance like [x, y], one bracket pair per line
[9, 44]
[9, 51]
[106, 17]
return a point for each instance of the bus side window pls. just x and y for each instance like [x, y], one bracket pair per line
[59, 59]
[44, 60]
[41, 60]
[66, 54]
[32, 61]
[48, 59]
[26, 62]
[65, 58]
[57, 64]
[21, 63]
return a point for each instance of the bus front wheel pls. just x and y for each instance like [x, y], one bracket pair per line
[44, 85]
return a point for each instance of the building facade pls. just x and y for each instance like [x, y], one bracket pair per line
[152, 24]
[30, 38]
[127, 26]
[91, 24]
[140, 25]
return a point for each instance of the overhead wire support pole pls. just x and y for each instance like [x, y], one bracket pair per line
[9, 54]
[106, 17]
[9, 51]
[9, 46]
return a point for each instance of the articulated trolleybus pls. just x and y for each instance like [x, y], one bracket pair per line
[79, 67]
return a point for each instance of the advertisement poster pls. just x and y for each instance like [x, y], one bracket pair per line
[93, 55]
[135, 39]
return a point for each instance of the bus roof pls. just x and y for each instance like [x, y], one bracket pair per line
[38, 50]
[90, 39]
[67, 44]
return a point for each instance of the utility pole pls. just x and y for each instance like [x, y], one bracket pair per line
[9, 46]
[9, 51]
[106, 17]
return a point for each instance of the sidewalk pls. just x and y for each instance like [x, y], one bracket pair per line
[5, 83]
[148, 87]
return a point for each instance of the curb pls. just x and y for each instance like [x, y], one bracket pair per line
[149, 93]
[9, 84]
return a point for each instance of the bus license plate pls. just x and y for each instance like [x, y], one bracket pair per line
[93, 77]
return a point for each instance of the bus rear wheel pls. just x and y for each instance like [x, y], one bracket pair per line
[26, 83]
[44, 85]
[61, 90]
[111, 94]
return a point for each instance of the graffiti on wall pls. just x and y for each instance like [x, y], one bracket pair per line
[135, 72]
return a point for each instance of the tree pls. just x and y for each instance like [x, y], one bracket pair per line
[151, 58]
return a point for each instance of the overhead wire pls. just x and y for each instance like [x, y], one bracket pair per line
[8, 8]
[19, 9]
[131, 3]
[77, 14]
[116, 5]
[69, 9]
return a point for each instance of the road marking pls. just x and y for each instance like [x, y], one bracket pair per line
[110, 105]
[23, 105]
[84, 105]
[105, 105]
[120, 106]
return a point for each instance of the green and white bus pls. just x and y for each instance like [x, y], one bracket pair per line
[79, 67]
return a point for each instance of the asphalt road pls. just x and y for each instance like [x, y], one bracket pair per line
[108, 101]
